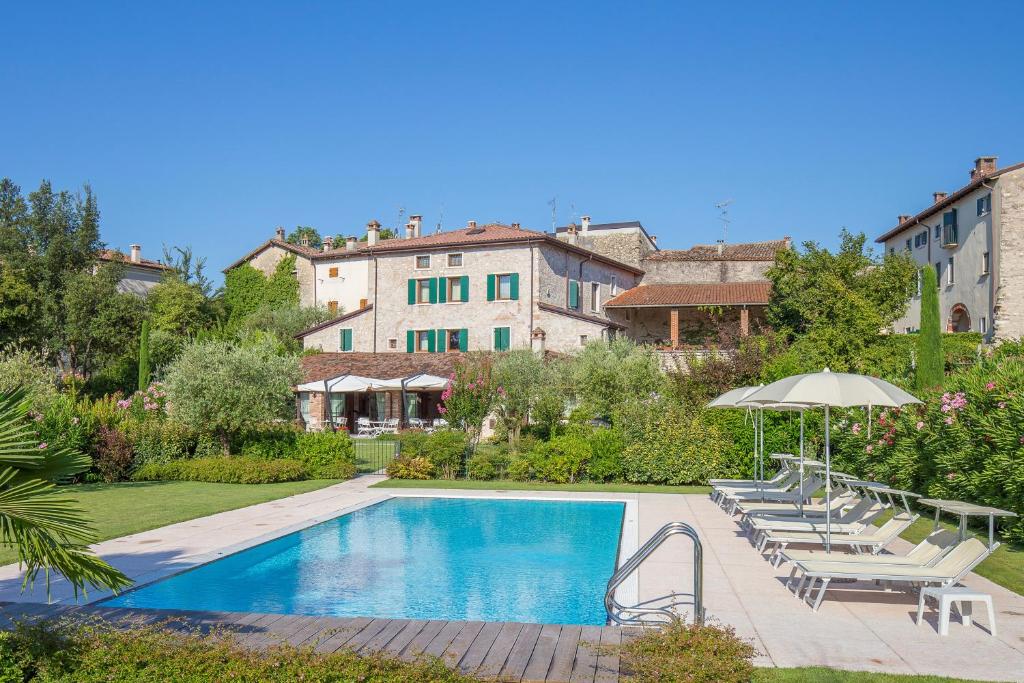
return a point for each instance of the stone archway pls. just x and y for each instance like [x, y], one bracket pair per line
[959, 319]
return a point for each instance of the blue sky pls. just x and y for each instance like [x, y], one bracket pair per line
[210, 125]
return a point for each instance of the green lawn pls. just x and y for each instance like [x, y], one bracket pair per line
[505, 485]
[130, 507]
[822, 675]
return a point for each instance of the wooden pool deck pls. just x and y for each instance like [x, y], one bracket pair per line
[503, 651]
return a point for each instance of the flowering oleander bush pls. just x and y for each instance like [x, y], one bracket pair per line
[148, 404]
[469, 396]
[966, 442]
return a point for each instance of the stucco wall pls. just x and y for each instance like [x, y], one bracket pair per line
[329, 338]
[349, 286]
[563, 332]
[266, 261]
[663, 272]
[971, 287]
[1008, 207]
[139, 280]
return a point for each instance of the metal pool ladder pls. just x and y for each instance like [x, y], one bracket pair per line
[659, 610]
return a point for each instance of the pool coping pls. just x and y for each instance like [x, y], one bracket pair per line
[627, 593]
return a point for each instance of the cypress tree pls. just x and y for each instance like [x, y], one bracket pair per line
[144, 356]
[930, 360]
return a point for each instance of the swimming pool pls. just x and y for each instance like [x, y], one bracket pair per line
[418, 558]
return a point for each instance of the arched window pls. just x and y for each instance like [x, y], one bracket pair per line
[959, 319]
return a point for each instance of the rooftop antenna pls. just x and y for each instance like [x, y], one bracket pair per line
[553, 203]
[440, 221]
[723, 208]
[399, 225]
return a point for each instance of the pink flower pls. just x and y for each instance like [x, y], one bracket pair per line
[1001, 404]
[949, 420]
[920, 426]
[869, 448]
[442, 410]
[42, 445]
[855, 428]
[950, 476]
[990, 386]
[881, 442]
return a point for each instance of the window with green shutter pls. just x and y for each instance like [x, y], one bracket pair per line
[502, 338]
[410, 341]
[464, 288]
[574, 294]
[503, 287]
[490, 287]
[442, 290]
[412, 291]
[346, 339]
[949, 229]
[463, 340]
[441, 339]
[431, 341]
[514, 286]
[432, 283]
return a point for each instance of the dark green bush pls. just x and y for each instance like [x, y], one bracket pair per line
[671, 445]
[606, 455]
[326, 455]
[268, 441]
[407, 467]
[161, 440]
[413, 442]
[489, 462]
[446, 450]
[63, 653]
[224, 470]
[689, 653]
[562, 460]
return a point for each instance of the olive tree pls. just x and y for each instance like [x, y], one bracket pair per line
[223, 387]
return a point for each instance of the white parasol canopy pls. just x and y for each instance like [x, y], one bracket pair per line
[420, 381]
[731, 399]
[831, 389]
[339, 384]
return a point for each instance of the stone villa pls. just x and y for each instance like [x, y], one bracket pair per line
[972, 237]
[140, 274]
[411, 304]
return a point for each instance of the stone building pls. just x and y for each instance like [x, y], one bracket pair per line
[974, 239]
[265, 258]
[140, 274]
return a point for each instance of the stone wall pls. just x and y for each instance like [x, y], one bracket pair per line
[668, 271]
[266, 261]
[697, 327]
[626, 247]
[1008, 205]
[329, 338]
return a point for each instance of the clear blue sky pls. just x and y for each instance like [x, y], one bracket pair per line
[210, 126]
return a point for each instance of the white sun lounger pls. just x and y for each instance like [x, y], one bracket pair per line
[787, 481]
[870, 540]
[853, 521]
[948, 571]
[758, 509]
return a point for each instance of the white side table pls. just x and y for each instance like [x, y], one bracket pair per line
[946, 597]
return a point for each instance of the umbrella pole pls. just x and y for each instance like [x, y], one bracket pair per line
[761, 456]
[801, 463]
[828, 486]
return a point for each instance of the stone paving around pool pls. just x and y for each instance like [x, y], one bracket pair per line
[858, 627]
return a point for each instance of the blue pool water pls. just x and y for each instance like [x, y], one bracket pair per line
[418, 558]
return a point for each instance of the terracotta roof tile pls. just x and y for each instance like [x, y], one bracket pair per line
[320, 366]
[749, 251]
[695, 294]
[116, 256]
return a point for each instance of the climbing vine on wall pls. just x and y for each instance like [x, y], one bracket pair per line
[246, 289]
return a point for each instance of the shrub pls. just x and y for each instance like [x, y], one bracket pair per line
[606, 455]
[487, 463]
[224, 470]
[414, 442]
[689, 652]
[112, 455]
[446, 449]
[406, 467]
[157, 440]
[520, 468]
[29, 370]
[326, 455]
[68, 421]
[562, 460]
[673, 446]
[99, 654]
[267, 441]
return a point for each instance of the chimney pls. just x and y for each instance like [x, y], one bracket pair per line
[903, 218]
[939, 196]
[417, 223]
[721, 247]
[572, 232]
[280, 233]
[350, 243]
[410, 230]
[136, 253]
[983, 166]
[787, 242]
[471, 225]
[585, 221]
[304, 241]
[372, 232]
[654, 240]
[515, 226]
[328, 243]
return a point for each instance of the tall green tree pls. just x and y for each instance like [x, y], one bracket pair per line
[930, 370]
[177, 306]
[144, 356]
[833, 305]
[49, 531]
[189, 268]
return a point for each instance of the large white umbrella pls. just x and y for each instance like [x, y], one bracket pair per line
[339, 384]
[420, 381]
[788, 407]
[733, 399]
[832, 389]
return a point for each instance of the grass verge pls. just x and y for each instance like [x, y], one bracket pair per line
[130, 507]
[506, 485]
[818, 674]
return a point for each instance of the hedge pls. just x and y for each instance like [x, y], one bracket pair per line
[224, 470]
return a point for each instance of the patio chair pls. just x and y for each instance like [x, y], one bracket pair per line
[366, 428]
[794, 495]
[390, 426]
[440, 423]
[948, 571]
[844, 498]
[416, 423]
[780, 482]
[869, 540]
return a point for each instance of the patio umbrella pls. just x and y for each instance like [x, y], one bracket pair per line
[732, 399]
[789, 407]
[832, 389]
[339, 384]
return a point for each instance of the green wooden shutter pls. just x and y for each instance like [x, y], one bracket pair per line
[497, 339]
[514, 286]
[346, 340]
[506, 341]
[431, 340]
[574, 294]
[490, 287]
[464, 288]
[412, 291]
[433, 291]
[442, 339]
[410, 341]
[501, 338]
[463, 340]
[442, 290]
